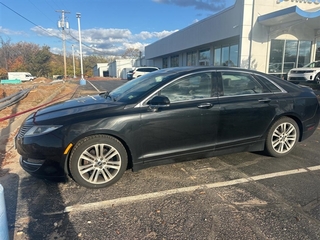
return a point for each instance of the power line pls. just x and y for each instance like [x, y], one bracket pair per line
[90, 47]
[24, 17]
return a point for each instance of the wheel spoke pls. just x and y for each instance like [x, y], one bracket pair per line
[110, 154]
[113, 165]
[276, 143]
[105, 177]
[86, 168]
[107, 174]
[88, 156]
[290, 130]
[94, 175]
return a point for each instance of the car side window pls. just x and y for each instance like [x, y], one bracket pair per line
[195, 86]
[238, 83]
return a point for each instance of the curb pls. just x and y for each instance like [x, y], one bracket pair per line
[4, 232]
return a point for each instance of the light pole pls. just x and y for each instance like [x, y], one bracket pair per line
[82, 80]
[74, 66]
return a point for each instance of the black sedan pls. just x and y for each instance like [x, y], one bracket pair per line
[170, 115]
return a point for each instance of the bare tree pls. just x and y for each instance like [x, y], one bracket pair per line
[131, 53]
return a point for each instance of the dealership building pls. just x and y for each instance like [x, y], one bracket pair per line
[271, 36]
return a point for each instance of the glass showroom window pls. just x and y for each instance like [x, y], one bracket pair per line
[304, 55]
[164, 62]
[204, 57]
[233, 59]
[318, 52]
[191, 59]
[227, 56]
[175, 61]
[287, 54]
[217, 57]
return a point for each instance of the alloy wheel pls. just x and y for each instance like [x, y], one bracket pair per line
[284, 137]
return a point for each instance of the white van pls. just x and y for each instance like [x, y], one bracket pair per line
[22, 76]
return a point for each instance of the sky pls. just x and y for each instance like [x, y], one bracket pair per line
[107, 27]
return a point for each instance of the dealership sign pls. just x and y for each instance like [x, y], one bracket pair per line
[300, 1]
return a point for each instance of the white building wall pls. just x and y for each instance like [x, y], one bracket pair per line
[99, 68]
[119, 68]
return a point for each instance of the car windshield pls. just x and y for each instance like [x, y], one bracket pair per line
[139, 86]
[313, 65]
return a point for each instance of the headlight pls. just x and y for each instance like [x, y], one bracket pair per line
[38, 130]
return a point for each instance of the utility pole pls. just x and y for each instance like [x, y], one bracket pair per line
[63, 25]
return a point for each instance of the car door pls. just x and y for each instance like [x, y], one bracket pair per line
[247, 108]
[188, 125]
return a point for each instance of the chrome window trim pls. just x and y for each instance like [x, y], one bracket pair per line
[248, 94]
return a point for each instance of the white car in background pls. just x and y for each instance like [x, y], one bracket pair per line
[307, 73]
[139, 71]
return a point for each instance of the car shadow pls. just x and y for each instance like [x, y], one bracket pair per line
[44, 206]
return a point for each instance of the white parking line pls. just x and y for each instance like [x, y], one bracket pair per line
[94, 86]
[126, 200]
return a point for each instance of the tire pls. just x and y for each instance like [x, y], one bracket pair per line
[317, 78]
[282, 137]
[98, 170]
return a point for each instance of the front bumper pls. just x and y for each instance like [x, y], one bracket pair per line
[301, 77]
[41, 156]
[43, 168]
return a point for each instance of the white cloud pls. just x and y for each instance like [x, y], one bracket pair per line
[105, 41]
[9, 32]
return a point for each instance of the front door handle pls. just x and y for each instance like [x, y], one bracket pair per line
[265, 100]
[205, 105]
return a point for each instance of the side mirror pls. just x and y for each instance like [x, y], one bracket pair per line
[159, 102]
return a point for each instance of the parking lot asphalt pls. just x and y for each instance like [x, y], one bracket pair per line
[236, 196]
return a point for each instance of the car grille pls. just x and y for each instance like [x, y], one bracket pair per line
[23, 130]
[301, 71]
[298, 78]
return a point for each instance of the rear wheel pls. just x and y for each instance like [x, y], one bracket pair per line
[282, 137]
[98, 161]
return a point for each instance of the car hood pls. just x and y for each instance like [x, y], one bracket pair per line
[82, 106]
[304, 69]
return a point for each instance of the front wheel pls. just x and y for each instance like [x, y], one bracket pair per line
[282, 137]
[317, 78]
[98, 161]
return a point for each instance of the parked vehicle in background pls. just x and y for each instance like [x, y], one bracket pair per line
[170, 115]
[129, 75]
[140, 71]
[22, 76]
[307, 73]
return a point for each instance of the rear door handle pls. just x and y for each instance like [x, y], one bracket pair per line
[266, 100]
[205, 105]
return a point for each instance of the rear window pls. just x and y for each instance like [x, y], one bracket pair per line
[146, 69]
[270, 85]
